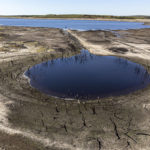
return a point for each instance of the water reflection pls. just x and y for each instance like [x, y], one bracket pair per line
[87, 76]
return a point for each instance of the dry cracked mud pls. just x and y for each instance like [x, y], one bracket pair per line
[31, 120]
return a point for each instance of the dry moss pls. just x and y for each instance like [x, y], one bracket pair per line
[41, 49]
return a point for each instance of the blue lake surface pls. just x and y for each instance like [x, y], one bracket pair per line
[73, 24]
[88, 76]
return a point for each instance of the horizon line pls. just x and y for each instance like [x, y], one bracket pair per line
[70, 14]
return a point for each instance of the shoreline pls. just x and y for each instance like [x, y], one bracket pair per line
[98, 19]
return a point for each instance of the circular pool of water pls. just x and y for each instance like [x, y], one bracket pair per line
[88, 76]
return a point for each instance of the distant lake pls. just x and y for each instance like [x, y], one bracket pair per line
[73, 24]
[88, 76]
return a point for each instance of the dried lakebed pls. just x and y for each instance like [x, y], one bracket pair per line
[32, 120]
[87, 76]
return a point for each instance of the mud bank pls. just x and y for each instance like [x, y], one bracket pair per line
[47, 123]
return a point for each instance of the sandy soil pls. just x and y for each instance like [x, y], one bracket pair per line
[32, 120]
[129, 43]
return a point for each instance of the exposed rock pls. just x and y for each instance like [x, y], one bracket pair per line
[118, 50]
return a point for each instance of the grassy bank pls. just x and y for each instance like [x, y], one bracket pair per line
[77, 16]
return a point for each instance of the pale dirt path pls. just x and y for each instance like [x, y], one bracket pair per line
[136, 50]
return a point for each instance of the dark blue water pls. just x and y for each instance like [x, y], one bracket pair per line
[73, 24]
[87, 76]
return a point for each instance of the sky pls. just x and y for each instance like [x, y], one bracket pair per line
[101, 7]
